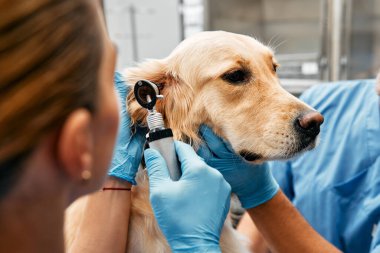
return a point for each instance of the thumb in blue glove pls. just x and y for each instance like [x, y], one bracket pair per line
[129, 147]
[252, 183]
[191, 211]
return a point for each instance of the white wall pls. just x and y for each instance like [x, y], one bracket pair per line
[157, 26]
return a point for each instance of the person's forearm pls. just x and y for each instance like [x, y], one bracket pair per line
[104, 223]
[285, 230]
[255, 241]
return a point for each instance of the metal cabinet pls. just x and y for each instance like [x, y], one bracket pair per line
[314, 40]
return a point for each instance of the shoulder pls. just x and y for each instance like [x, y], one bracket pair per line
[349, 135]
[338, 91]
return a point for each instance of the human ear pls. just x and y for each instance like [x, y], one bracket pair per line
[75, 146]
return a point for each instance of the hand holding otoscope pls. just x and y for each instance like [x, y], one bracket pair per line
[190, 208]
[159, 137]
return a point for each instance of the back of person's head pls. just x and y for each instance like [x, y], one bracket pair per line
[50, 54]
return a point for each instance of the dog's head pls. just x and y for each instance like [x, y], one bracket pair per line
[229, 82]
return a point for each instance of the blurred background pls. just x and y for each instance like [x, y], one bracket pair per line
[314, 40]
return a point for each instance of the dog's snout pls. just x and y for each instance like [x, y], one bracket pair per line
[309, 123]
[310, 120]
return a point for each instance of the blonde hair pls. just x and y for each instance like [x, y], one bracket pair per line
[50, 53]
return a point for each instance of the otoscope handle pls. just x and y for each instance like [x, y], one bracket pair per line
[165, 145]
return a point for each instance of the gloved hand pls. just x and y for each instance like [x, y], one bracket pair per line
[192, 210]
[253, 184]
[129, 148]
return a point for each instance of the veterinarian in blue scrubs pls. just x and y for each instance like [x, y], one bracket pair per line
[336, 186]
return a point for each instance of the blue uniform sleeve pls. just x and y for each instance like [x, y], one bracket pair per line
[375, 245]
[282, 172]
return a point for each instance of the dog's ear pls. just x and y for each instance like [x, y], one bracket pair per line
[176, 104]
[152, 70]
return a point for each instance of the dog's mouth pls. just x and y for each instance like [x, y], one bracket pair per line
[301, 146]
[250, 156]
[306, 144]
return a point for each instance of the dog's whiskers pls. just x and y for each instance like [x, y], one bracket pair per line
[274, 37]
[279, 44]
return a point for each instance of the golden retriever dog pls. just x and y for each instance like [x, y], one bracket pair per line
[228, 82]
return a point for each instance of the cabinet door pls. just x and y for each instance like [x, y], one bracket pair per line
[364, 55]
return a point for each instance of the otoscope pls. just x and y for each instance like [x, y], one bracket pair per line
[159, 137]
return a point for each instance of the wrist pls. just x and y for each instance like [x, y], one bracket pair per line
[115, 182]
[122, 177]
[248, 202]
[261, 194]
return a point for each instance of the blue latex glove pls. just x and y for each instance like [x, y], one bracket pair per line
[253, 184]
[192, 210]
[129, 148]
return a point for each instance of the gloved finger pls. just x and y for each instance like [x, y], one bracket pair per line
[124, 115]
[136, 146]
[121, 86]
[204, 152]
[186, 156]
[156, 166]
[125, 126]
[124, 134]
[139, 137]
[215, 143]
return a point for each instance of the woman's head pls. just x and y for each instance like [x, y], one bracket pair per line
[56, 83]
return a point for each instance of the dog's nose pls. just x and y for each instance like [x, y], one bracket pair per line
[309, 123]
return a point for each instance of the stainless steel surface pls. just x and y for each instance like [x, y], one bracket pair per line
[364, 61]
[335, 17]
[347, 28]
[322, 61]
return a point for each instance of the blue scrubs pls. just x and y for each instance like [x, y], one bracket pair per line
[336, 186]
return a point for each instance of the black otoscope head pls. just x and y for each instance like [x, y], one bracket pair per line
[146, 93]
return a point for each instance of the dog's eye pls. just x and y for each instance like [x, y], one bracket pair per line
[275, 66]
[237, 76]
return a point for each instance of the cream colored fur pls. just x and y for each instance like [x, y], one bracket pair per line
[256, 116]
